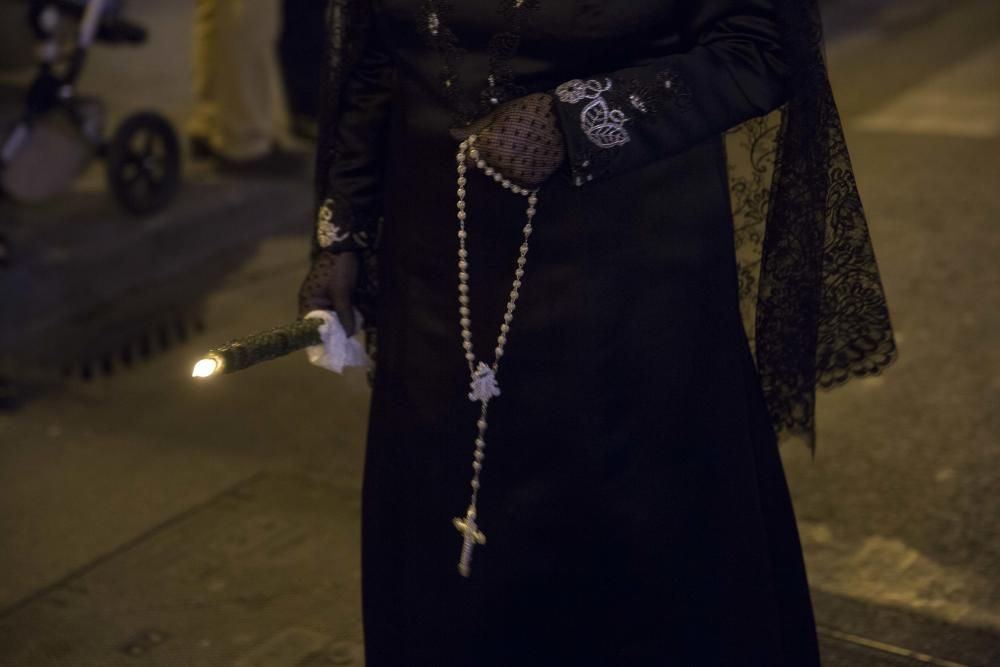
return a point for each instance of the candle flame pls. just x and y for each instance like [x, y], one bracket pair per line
[206, 367]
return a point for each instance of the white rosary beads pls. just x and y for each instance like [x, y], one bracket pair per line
[483, 383]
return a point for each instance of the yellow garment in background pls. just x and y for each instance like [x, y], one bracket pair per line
[239, 102]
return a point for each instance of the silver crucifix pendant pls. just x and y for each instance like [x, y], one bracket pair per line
[471, 536]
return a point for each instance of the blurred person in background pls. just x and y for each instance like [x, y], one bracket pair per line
[240, 115]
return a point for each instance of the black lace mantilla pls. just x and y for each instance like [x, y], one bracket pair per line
[811, 294]
[810, 289]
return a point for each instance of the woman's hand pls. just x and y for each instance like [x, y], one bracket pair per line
[521, 139]
[330, 285]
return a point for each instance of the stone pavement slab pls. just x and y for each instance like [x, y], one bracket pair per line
[266, 574]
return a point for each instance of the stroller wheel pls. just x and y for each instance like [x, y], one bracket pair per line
[144, 163]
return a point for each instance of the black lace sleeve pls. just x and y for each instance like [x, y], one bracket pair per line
[358, 75]
[810, 288]
[355, 99]
[727, 67]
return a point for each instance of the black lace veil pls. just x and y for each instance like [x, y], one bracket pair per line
[811, 295]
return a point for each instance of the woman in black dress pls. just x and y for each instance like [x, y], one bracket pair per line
[628, 505]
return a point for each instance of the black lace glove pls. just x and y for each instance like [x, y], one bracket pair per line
[330, 285]
[521, 139]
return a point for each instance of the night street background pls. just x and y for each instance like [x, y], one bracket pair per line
[149, 520]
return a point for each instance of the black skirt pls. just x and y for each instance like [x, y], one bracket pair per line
[633, 499]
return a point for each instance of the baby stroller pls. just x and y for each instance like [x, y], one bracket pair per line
[59, 132]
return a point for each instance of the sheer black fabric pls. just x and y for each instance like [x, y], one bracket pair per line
[811, 295]
[811, 291]
[521, 139]
[348, 221]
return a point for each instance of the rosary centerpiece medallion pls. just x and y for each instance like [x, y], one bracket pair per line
[484, 384]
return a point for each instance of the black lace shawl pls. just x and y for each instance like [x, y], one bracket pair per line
[811, 295]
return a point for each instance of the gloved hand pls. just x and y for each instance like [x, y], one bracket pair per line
[330, 285]
[521, 139]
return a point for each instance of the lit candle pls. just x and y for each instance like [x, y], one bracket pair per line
[264, 346]
[206, 367]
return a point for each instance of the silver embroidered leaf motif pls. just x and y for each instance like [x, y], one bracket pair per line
[605, 127]
[484, 384]
[576, 90]
[327, 233]
[326, 210]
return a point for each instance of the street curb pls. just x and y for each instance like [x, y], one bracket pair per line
[89, 285]
[922, 637]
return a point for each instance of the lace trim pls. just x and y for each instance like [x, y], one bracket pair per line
[438, 37]
[500, 83]
[503, 46]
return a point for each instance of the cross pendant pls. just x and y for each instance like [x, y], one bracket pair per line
[471, 536]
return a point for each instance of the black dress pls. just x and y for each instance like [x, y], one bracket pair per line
[633, 497]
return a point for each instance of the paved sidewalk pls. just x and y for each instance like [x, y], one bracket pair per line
[898, 511]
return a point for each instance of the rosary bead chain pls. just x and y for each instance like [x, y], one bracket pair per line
[468, 151]
[483, 377]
